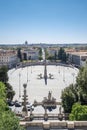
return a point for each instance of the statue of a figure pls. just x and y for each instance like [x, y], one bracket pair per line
[60, 109]
[49, 95]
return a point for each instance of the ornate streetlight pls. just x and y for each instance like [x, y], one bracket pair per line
[27, 73]
[24, 110]
[19, 86]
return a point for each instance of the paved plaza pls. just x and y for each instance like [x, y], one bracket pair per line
[36, 88]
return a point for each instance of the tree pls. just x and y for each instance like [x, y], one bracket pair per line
[4, 78]
[55, 55]
[62, 55]
[46, 53]
[8, 119]
[25, 56]
[79, 112]
[77, 92]
[69, 97]
[2, 97]
[19, 54]
[9, 91]
[40, 54]
[60, 52]
[40, 51]
[82, 85]
[3, 74]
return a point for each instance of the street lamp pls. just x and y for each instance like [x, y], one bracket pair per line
[24, 110]
[31, 69]
[19, 85]
[63, 74]
[27, 73]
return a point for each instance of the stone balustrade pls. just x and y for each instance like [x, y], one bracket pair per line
[47, 125]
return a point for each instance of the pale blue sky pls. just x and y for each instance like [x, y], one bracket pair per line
[43, 21]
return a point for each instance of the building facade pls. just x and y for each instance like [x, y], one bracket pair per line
[8, 58]
[78, 58]
[30, 54]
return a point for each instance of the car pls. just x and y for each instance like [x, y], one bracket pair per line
[18, 104]
[10, 103]
[30, 107]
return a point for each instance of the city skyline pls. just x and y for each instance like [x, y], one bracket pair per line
[43, 21]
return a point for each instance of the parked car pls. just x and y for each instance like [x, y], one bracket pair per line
[18, 104]
[30, 107]
[10, 103]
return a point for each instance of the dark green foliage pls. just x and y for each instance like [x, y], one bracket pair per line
[82, 85]
[62, 55]
[40, 58]
[3, 74]
[55, 56]
[9, 91]
[25, 56]
[40, 54]
[40, 51]
[69, 97]
[76, 93]
[79, 112]
[19, 54]
[46, 54]
[4, 78]
[82, 79]
[50, 58]
[8, 120]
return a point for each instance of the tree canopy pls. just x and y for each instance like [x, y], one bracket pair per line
[8, 119]
[4, 78]
[69, 97]
[79, 112]
[76, 93]
[3, 74]
[62, 55]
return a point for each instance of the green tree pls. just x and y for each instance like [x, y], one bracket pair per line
[60, 52]
[9, 91]
[19, 53]
[82, 85]
[69, 97]
[2, 97]
[77, 92]
[79, 112]
[8, 119]
[3, 74]
[55, 56]
[46, 53]
[40, 53]
[4, 78]
[50, 57]
[62, 55]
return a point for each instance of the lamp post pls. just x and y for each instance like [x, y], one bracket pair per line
[31, 69]
[19, 85]
[60, 115]
[63, 74]
[27, 73]
[24, 110]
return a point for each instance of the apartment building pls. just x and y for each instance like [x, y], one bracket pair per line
[30, 54]
[78, 58]
[8, 58]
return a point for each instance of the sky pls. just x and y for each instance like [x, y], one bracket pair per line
[43, 21]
